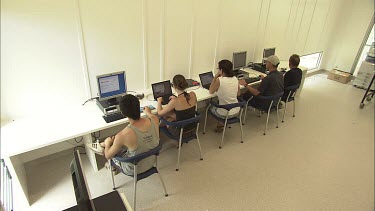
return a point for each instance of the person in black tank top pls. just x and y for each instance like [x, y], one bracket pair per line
[179, 108]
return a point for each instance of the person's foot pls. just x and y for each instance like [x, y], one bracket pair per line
[115, 171]
[219, 128]
[96, 147]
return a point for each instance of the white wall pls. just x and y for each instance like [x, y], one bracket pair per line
[347, 33]
[51, 51]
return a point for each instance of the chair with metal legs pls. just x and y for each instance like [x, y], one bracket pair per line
[274, 102]
[227, 121]
[290, 93]
[135, 160]
[181, 125]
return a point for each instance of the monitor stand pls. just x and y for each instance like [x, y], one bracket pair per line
[108, 106]
[112, 102]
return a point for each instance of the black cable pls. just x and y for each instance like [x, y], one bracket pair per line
[75, 148]
[78, 141]
[93, 98]
[94, 136]
[147, 97]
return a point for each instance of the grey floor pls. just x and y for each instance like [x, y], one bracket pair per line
[323, 159]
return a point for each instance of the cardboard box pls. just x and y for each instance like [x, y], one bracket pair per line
[339, 76]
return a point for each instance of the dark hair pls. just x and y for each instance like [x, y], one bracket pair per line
[227, 67]
[129, 107]
[294, 60]
[180, 82]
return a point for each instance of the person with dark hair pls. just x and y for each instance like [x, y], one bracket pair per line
[180, 107]
[294, 75]
[141, 135]
[270, 85]
[227, 87]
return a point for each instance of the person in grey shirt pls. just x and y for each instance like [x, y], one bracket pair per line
[141, 135]
[270, 85]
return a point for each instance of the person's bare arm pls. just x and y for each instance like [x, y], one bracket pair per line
[239, 90]
[112, 146]
[167, 108]
[152, 117]
[253, 91]
[215, 84]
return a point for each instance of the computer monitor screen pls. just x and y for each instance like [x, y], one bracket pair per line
[239, 60]
[268, 52]
[111, 85]
[161, 89]
[81, 189]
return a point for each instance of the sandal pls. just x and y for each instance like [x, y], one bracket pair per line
[219, 128]
[96, 147]
[115, 171]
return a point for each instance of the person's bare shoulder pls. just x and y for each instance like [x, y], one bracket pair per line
[126, 135]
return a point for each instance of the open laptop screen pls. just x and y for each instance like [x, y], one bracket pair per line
[161, 89]
[206, 78]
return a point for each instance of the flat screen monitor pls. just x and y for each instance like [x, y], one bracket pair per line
[81, 189]
[111, 85]
[239, 60]
[267, 52]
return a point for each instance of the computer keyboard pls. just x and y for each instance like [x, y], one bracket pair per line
[252, 80]
[113, 117]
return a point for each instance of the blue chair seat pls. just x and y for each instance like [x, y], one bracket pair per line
[227, 121]
[181, 125]
[232, 120]
[134, 160]
[140, 176]
[165, 130]
[289, 95]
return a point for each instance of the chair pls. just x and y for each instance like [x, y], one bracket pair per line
[274, 103]
[134, 160]
[291, 90]
[241, 103]
[181, 125]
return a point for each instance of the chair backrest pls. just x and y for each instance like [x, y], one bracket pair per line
[135, 159]
[241, 103]
[291, 90]
[182, 123]
[274, 98]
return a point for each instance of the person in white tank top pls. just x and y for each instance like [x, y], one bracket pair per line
[227, 87]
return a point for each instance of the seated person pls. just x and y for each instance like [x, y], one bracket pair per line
[227, 87]
[141, 135]
[294, 75]
[270, 85]
[179, 108]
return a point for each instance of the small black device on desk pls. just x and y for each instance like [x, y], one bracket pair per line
[162, 89]
[113, 117]
[192, 83]
[252, 80]
[260, 67]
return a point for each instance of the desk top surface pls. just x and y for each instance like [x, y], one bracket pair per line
[29, 134]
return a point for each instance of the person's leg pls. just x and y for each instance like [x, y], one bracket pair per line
[247, 96]
[219, 125]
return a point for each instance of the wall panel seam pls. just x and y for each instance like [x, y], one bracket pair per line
[144, 43]
[308, 31]
[82, 47]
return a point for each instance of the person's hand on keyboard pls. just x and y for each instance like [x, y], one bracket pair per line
[261, 77]
[242, 82]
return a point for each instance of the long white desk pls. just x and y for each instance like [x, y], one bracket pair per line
[27, 135]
